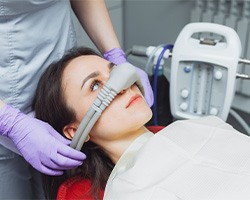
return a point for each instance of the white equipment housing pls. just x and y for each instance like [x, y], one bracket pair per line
[203, 70]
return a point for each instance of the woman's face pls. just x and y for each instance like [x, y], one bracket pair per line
[82, 79]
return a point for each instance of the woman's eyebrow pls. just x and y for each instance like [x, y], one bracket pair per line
[95, 74]
[92, 75]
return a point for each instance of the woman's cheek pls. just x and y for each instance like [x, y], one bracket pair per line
[108, 122]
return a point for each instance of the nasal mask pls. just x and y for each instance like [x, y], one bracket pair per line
[121, 77]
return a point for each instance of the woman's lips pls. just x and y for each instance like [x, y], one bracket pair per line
[133, 100]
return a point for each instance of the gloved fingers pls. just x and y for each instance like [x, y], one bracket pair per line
[149, 95]
[71, 153]
[56, 163]
[51, 172]
[65, 157]
[58, 167]
[63, 163]
[116, 56]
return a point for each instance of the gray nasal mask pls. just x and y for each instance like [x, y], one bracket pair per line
[121, 78]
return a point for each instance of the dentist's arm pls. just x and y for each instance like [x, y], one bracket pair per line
[44, 148]
[94, 18]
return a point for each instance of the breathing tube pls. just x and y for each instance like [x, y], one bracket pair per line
[121, 78]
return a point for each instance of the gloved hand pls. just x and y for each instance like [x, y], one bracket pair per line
[41, 146]
[117, 56]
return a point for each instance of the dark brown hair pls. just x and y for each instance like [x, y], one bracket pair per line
[50, 106]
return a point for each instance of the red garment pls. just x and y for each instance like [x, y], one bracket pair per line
[78, 188]
[155, 129]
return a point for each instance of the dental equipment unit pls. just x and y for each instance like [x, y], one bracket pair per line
[121, 78]
[203, 70]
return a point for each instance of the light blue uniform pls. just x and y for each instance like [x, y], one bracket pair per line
[33, 33]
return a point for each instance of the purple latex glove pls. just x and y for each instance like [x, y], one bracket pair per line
[117, 56]
[41, 146]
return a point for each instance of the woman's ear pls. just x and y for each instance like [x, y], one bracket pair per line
[69, 130]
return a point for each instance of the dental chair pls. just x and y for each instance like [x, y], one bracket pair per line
[78, 188]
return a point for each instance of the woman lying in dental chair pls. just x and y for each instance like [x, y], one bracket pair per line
[190, 159]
